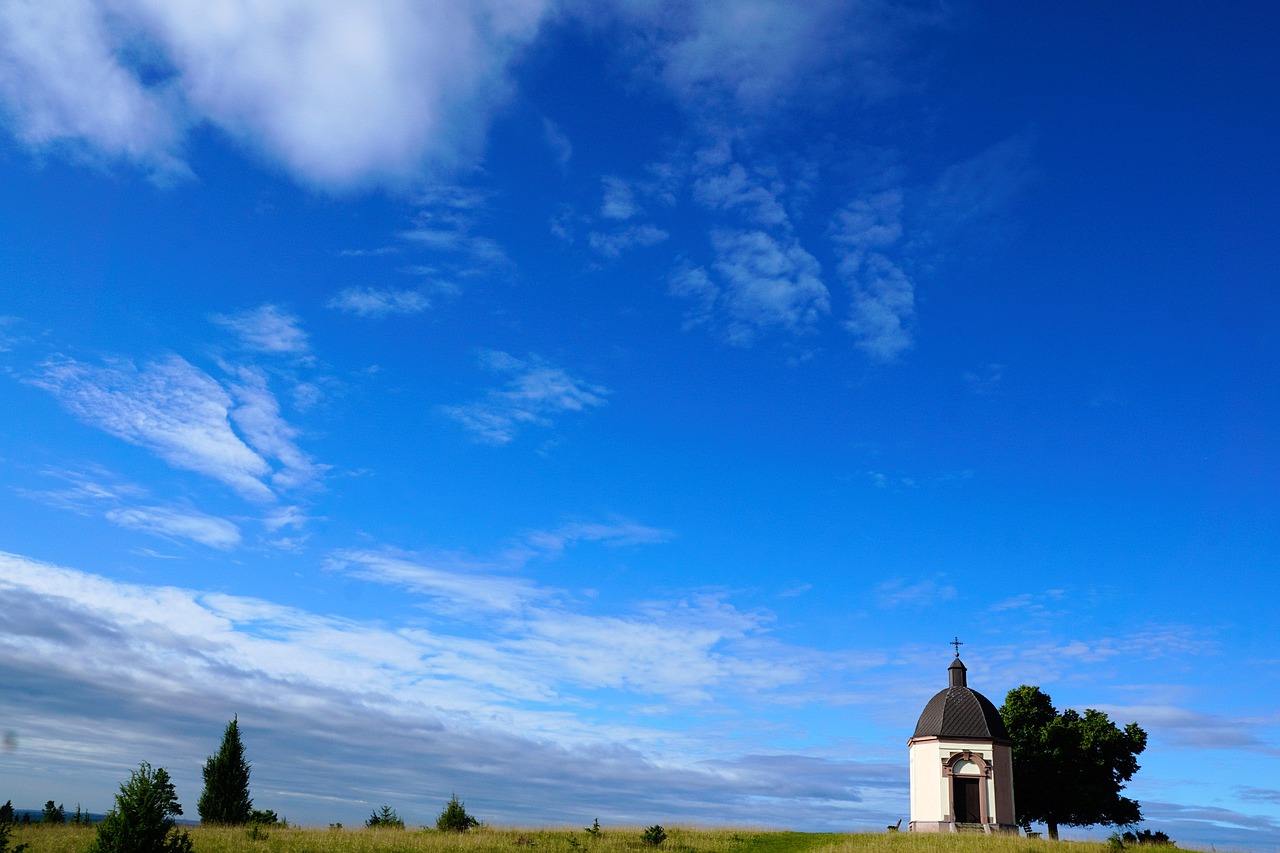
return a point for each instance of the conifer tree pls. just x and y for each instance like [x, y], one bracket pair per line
[143, 819]
[226, 782]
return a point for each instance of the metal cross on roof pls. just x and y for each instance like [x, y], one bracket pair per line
[956, 642]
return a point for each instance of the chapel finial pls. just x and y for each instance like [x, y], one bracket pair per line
[956, 642]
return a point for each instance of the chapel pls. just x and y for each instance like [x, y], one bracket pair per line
[961, 762]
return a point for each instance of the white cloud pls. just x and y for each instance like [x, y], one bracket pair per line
[267, 329]
[169, 407]
[536, 393]
[882, 305]
[446, 225]
[762, 282]
[982, 187]
[257, 414]
[379, 302]
[185, 417]
[882, 309]
[619, 199]
[871, 223]
[390, 91]
[667, 708]
[341, 94]
[612, 244]
[558, 142]
[131, 506]
[615, 534]
[733, 190]
[173, 523]
[61, 78]
[457, 581]
[900, 593]
[749, 56]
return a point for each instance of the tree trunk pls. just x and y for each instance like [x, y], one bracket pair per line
[1053, 830]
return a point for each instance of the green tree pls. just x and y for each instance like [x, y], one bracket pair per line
[6, 826]
[1069, 768]
[143, 819]
[454, 817]
[53, 813]
[384, 818]
[7, 815]
[225, 798]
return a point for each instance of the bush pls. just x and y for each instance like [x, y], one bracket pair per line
[384, 818]
[454, 818]
[142, 821]
[5, 828]
[654, 835]
[267, 817]
[1149, 838]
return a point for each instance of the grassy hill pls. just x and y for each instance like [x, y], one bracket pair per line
[74, 839]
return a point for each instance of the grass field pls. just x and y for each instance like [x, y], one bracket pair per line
[74, 839]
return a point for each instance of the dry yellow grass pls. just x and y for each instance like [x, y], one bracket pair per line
[75, 839]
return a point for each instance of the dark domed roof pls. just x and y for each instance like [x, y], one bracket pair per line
[960, 712]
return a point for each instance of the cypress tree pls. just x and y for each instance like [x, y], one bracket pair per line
[226, 782]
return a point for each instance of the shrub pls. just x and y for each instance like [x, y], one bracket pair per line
[384, 818]
[1149, 838]
[267, 817]
[594, 829]
[5, 828]
[142, 821]
[654, 835]
[454, 817]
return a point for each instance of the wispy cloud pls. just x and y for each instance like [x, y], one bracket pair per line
[267, 329]
[1184, 727]
[186, 417]
[257, 415]
[453, 579]
[902, 593]
[761, 282]
[619, 199]
[612, 244]
[520, 691]
[534, 395]
[373, 302]
[169, 407]
[132, 507]
[730, 189]
[882, 305]
[747, 57]
[986, 380]
[981, 188]
[172, 523]
[447, 224]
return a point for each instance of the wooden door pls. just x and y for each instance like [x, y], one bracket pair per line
[968, 808]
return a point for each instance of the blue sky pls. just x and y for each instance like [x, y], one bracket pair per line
[611, 410]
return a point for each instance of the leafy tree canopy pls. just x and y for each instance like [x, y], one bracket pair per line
[1069, 768]
[225, 799]
[454, 817]
[143, 819]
